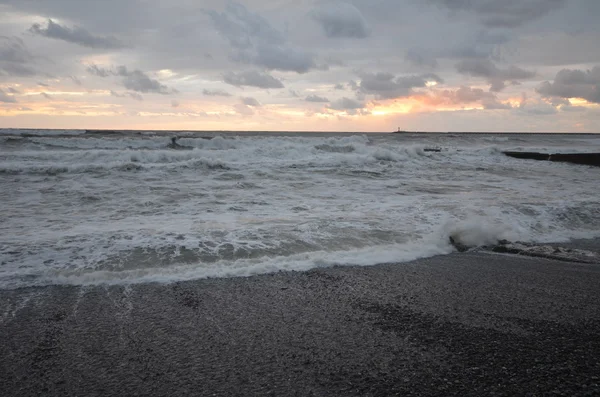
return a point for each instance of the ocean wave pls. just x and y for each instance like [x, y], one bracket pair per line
[128, 163]
[215, 153]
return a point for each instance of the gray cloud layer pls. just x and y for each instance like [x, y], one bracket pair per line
[466, 95]
[504, 13]
[576, 83]
[222, 93]
[249, 101]
[341, 20]
[347, 104]
[134, 80]
[495, 76]
[252, 79]
[316, 98]
[387, 86]
[6, 98]
[76, 35]
[15, 59]
[256, 42]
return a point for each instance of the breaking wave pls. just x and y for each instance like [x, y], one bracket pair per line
[94, 208]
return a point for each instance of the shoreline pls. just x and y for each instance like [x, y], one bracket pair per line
[474, 323]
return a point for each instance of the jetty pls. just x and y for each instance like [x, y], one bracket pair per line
[592, 159]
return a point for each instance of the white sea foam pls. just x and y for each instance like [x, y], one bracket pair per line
[109, 209]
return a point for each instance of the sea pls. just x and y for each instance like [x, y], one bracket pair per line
[112, 207]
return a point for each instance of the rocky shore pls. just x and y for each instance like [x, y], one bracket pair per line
[466, 324]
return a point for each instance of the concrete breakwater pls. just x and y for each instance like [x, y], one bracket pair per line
[574, 158]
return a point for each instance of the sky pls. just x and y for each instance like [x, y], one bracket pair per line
[301, 65]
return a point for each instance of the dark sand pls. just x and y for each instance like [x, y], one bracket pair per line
[470, 324]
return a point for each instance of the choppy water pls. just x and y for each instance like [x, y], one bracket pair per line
[82, 208]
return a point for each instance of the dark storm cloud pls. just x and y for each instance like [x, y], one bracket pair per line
[316, 98]
[576, 83]
[504, 13]
[387, 86]
[15, 58]
[76, 35]
[252, 79]
[495, 76]
[6, 98]
[249, 101]
[256, 42]
[341, 20]
[134, 80]
[215, 93]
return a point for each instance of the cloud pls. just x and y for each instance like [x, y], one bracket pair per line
[134, 80]
[6, 98]
[47, 96]
[244, 110]
[13, 90]
[492, 104]
[341, 20]
[504, 13]
[215, 93]
[249, 101]
[256, 42]
[571, 108]
[15, 58]
[539, 109]
[137, 80]
[42, 84]
[421, 58]
[280, 58]
[339, 86]
[75, 80]
[466, 95]
[315, 98]
[387, 86]
[174, 103]
[135, 96]
[495, 76]
[347, 104]
[98, 71]
[252, 79]
[574, 83]
[76, 35]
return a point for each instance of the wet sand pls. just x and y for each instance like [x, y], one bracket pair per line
[467, 324]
